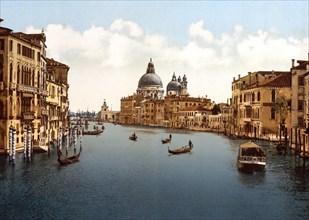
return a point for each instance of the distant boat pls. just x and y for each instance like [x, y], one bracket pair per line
[251, 157]
[133, 137]
[94, 132]
[185, 149]
[167, 140]
[69, 160]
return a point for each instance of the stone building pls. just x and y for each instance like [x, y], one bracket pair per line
[299, 103]
[144, 107]
[24, 87]
[107, 115]
[175, 104]
[57, 101]
[149, 107]
[247, 103]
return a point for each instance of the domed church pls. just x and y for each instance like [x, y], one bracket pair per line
[150, 84]
[177, 87]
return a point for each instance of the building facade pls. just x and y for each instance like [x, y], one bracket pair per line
[24, 90]
[107, 115]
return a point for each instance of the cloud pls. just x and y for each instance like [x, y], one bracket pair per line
[106, 63]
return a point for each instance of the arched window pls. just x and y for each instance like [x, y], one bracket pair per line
[18, 74]
[273, 95]
[253, 96]
[273, 113]
[11, 72]
[2, 111]
[259, 96]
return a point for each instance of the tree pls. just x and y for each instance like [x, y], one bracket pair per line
[281, 106]
[216, 109]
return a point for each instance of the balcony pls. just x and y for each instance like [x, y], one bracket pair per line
[24, 88]
[54, 118]
[247, 120]
[247, 103]
[28, 115]
[44, 112]
[43, 92]
[13, 86]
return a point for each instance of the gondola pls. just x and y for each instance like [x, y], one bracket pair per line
[185, 149]
[133, 137]
[167, 140]
[68, 160]
[95, 132]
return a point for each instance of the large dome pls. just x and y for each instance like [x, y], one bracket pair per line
[150, 78]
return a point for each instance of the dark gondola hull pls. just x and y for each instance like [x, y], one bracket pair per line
[182, 150]
[165, 141]
[69, 160]
[133, 138]
[97, 132]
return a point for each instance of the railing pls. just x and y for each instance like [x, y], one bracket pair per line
[13, 86]
[252, 158]
[44, 112]
[246, 103]
[247, 119]
[43, 92]
[25, 88]
[54, 118]
[28, 115]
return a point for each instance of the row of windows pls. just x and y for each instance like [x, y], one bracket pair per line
[21, 49]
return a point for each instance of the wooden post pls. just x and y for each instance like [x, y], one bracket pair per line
[295, 148]
[291, 137]
[299, 136]
[304, 148]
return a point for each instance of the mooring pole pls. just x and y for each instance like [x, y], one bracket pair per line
[29, 143]
[13, 145]
[25, 142]
[10, 142]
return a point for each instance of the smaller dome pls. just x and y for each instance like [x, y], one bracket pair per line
[173, 85]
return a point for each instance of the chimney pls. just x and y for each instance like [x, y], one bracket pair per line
[293, 60]
[234, 79]
[238, 76]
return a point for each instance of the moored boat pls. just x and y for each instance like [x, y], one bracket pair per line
[68, 160]
[185, 149]
[251, 157]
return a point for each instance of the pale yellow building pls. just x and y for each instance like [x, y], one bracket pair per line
[25, 90]
[252, 98]
[107, 115]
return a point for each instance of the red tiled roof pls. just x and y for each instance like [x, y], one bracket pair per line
[282, 80]
[196, 108]
[301, 64]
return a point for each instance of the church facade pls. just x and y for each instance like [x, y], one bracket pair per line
[149, 107]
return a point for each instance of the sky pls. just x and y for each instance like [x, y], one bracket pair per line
[108, 44]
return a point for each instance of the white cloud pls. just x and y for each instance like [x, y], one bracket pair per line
[107, 63]
[197, 30]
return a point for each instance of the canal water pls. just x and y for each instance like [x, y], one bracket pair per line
[117, 178]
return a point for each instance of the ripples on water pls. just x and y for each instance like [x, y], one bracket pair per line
[121, 179]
